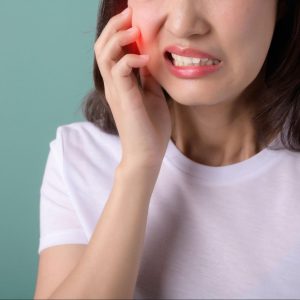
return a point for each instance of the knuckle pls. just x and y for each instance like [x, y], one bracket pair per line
[116, 37]
[114, 19]
[112, 24]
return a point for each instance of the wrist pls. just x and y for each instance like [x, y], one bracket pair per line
[138, 171]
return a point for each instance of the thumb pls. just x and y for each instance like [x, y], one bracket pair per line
[149, 84]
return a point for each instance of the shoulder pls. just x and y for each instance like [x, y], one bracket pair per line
[84, 140]
[83, 132]
[87, 156]
[81, 128]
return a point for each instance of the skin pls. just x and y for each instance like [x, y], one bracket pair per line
[211, 115]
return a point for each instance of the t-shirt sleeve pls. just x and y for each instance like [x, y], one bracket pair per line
[59, 223]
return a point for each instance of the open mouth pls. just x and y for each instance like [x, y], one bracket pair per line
[188, 69]
[169, 57]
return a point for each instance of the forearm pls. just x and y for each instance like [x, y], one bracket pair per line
[109, 267]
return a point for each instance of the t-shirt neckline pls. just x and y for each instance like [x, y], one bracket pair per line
[223, 174]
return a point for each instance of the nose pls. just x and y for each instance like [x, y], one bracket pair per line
[186, 18]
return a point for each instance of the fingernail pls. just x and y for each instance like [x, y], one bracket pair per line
[124, 12]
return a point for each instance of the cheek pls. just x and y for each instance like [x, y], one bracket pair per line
[247, 35]
[147, 15]
[147, 31]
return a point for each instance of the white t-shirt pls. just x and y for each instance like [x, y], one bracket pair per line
[212, 232]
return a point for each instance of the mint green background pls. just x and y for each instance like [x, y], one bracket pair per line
[46, 54]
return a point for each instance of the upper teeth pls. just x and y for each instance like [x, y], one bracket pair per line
[189, 61]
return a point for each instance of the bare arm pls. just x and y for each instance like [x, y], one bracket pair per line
[109, 267]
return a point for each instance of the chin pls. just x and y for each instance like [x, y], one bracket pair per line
[192, 100]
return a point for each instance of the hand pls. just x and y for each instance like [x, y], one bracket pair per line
[142, 115]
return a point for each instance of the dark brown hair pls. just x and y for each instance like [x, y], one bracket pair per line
[277, 103]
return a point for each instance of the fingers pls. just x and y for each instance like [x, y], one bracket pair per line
[112, 53]
[117, 22]
[122, 75]
[113, 50]
[149, 83]
[108, 47]
[115, 65]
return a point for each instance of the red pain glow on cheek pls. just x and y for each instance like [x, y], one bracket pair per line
[134, 47]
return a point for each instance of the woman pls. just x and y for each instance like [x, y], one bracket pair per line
[173, 187]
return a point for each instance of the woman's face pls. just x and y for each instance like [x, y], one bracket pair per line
[238, 32]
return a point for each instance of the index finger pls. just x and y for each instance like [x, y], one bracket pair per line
[115, 23]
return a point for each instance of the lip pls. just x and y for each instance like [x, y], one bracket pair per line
[190, 72]
[189, 52]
